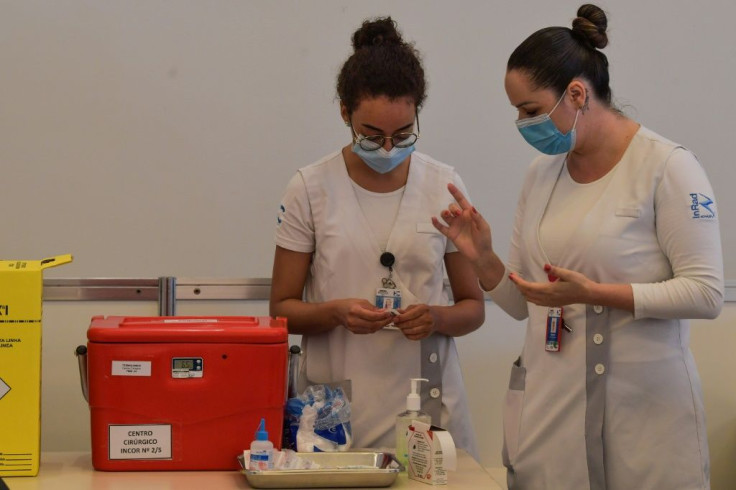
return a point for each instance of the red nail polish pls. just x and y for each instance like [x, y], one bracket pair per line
[547, 267]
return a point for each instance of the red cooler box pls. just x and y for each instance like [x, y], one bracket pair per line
[183, 393]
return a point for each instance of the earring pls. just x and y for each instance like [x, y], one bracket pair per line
[347, 124]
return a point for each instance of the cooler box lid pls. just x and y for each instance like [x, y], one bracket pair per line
[188, 329]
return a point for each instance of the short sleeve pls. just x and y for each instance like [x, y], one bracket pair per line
[294, 223]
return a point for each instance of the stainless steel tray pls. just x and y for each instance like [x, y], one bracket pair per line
[348, 469]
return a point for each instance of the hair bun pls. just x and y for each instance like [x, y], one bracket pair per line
[591, 23]
[375, 33]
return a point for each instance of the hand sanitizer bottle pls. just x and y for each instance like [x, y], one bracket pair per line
[261, 450]
[403, 420]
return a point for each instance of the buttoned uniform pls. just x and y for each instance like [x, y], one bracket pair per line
[620, 406]
[321, 215]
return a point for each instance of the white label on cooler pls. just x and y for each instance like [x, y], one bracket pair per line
[139, 441]
[131, 368]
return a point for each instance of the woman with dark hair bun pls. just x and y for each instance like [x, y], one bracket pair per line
[359, 269]
[615, 245]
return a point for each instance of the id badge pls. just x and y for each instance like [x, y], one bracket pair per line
[388, 298]
[554, 329]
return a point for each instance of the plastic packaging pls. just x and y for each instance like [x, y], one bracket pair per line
[403, 420]
[261, 450]
[319, 420]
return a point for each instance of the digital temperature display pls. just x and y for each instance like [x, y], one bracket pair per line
[183, 364]
[186, 367]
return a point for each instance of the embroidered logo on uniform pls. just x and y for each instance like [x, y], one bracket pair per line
[700, 205]
[280, 216]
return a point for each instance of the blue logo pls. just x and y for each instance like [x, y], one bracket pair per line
[700, 205]
[279, 217]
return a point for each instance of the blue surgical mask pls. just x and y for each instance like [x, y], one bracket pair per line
[383, 161]
[542, 134]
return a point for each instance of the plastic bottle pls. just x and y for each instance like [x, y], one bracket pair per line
[403, 420]
[261, 450]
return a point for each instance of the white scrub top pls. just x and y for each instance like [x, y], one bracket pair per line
[321, 215]
[620, 406]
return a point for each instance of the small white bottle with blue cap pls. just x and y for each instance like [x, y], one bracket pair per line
[261, 450]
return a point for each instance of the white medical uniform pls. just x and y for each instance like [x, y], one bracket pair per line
[620, 406]
[320, 214]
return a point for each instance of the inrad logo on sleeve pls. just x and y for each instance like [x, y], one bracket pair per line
[701, 206]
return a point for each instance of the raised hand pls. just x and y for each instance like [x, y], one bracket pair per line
[466, 228]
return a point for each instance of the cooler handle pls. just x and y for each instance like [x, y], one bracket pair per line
[193, 321]
[81, 353]
[292, 381]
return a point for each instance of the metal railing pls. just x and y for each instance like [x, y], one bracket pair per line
[168, 290]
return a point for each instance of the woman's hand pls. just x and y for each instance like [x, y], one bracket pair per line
[417, 321]
[565, 287]
[360, 316]
[466, 228]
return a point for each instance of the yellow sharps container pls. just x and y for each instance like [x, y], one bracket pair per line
[21, 298]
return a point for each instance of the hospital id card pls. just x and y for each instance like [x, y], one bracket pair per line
[388, 298]
[554, 329]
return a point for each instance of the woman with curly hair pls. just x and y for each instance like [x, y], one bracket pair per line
[359, 269]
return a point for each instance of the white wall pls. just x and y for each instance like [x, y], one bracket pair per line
[155, 137]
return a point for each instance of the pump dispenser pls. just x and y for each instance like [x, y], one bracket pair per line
[261, 450]
[403, 420]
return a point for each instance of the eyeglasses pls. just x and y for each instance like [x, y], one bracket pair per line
[376, 141]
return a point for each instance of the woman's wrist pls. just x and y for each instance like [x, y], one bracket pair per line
[333, 313]
[592, 295]
[490, 270]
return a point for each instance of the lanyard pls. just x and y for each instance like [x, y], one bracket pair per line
[387, 260]
[555, 320]
[388, 296]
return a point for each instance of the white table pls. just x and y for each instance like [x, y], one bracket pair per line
[73, 471]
